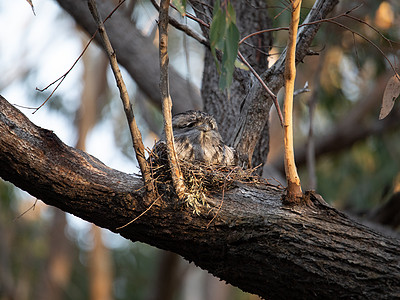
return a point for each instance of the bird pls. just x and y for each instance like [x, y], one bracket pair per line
[197, 139]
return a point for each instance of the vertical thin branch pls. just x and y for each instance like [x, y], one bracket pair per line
[176, 174]
[135, 133]
[294, 192]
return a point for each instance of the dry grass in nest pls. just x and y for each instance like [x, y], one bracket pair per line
[201, 180]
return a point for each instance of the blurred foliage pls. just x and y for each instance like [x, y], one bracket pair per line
[359, 177]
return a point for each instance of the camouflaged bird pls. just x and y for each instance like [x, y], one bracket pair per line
[197, 138]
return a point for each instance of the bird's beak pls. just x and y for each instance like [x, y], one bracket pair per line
[204, 127]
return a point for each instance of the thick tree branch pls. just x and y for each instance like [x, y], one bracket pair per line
[255, 242]
[135, 52]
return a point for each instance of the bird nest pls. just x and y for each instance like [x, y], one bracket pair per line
[201, 180]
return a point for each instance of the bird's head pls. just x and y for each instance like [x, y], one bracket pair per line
[194, 119]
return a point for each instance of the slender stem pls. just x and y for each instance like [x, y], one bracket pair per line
[135, 133]
[269, 92]
[176, 174]
[184, 28]
[294, 189]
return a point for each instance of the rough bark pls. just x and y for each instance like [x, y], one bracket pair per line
[255, 243]
[245, 113]
[251, 16]
[135, 52]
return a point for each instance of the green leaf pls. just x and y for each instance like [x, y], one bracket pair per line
[217, 31]
[240, 65]
[231, 44]
[231, 14]
[224, 36]
[180, 6]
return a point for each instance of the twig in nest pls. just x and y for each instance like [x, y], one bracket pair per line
[222, 200]
[201, 180]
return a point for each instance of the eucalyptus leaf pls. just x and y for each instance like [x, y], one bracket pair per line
[180, 6]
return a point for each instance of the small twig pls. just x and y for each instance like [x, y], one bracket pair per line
[30, 208]
[135, 133]
[187, 14]
[222, 200]
[284, 9]
[176, 173]
[262, 31]
[61, 78]
[184, 28]
[147, 209]
[304, 89]
[272, 95]
[346, 14]
[194, 18]
[369, 41]
[389, 41]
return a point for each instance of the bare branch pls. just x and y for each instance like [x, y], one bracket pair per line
[184, 28]
[294, 192]
[369, 41]
[270, 93]
[135, 132]
[256, 106]
[136, 53]
[61, 78]
[176, 174]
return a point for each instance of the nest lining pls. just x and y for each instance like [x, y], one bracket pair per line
[201, 180]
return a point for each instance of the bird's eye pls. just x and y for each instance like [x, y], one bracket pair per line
[189, 125]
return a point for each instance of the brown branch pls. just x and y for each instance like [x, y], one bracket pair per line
[256, 106]
[340, 137]
[345, 14]
[135, 132]
[255, 243]
[184, 28]
[176, 174]
[136, 53]
[294, 192]
[62, 77]
[369, 41]
[192, 17]
[270, 93]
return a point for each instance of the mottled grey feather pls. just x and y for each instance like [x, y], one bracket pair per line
[197, 138]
